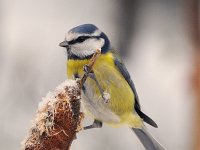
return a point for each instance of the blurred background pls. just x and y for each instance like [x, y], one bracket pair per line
[159, 43]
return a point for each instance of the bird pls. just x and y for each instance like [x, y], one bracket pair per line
[109, 94]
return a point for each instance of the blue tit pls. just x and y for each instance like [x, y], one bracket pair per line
[109, 95]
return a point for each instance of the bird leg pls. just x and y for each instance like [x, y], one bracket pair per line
[92, 76]
[96, 124]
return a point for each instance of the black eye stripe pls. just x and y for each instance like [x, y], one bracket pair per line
[81, 39]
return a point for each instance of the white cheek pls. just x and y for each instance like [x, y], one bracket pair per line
[87, 48]
[93, 44]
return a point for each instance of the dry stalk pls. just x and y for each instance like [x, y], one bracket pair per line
[58, 117]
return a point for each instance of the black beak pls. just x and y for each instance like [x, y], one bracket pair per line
[64, 44]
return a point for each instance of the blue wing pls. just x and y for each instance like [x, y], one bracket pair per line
[119, 64]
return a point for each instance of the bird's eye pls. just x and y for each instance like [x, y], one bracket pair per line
[82, 38]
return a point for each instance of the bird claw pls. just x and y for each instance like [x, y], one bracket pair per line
[86, 69]
[96, 124]
[106, 96]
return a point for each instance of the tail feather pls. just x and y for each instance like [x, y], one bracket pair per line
[147, 140]
[146, 118]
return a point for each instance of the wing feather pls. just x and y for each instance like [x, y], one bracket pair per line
[122, 68]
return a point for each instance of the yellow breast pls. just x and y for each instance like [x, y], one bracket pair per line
[111, 80]
[76, 66]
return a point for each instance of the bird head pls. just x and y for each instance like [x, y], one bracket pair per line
[82, 41]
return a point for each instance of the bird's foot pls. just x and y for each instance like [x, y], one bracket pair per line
[96, 124]
[86, 69]
[105, 95]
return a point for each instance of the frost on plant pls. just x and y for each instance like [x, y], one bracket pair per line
[57, 112]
